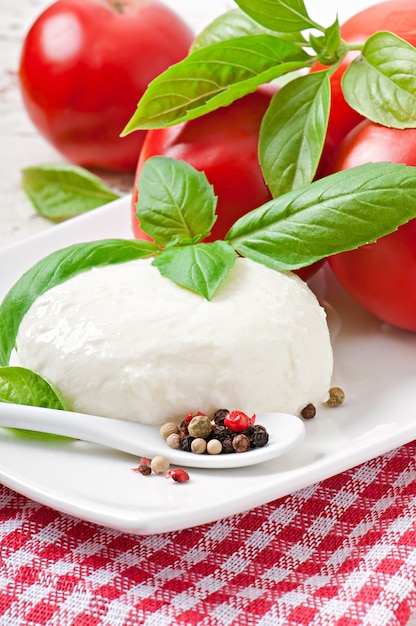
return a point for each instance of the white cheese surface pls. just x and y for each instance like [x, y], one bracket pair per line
[122, 341]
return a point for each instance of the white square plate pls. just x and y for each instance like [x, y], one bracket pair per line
[374, 363]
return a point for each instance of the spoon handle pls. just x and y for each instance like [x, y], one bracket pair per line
[116, 434]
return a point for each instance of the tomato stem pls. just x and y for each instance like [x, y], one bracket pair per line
[121, 6]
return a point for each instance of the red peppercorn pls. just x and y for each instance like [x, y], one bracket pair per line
[236, 421]
[187, 419]
[179, 475]
[143, 468]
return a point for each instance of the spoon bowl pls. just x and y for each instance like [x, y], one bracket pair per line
[285, 432]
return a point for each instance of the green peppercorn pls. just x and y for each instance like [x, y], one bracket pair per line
[199, 426]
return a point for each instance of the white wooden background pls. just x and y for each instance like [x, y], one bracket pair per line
[21, 145]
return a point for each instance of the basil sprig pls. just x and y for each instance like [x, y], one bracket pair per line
[268, 39]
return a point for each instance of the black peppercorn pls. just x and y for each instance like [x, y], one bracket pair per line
[227, 445]
[259, 437]
[220, 432]
[186, 443]
[248, 432]
[220, 415]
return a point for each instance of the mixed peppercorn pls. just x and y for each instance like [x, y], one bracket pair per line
[160, 465]
[227, 432]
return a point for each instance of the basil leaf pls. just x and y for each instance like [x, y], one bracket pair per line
[60, 191]
[334, 214]
[293, 132]
[236, 23]
[280, 15]
[332, 38]
[381, 83]
[213, 77]
[19, 385]
[328, 46]
[201, 267]
[55, 269]
[176, 202]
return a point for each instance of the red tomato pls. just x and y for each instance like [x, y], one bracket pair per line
[397, 16]
[381, 276]
[84, 66]
[223, 144]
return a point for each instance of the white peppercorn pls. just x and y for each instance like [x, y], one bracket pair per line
[159, 464]
[214, 446]
[168, 429]
[174, 441]
[198, 446]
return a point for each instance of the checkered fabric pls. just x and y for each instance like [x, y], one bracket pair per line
[339, 553]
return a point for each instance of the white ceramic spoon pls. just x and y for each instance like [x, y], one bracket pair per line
[285, 431]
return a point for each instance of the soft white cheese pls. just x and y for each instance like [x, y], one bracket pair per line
[122, 341]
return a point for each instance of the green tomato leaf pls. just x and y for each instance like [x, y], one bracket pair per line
[236, 23]
[334, 214]
[176, 202]
[293, 132]
[213, 77]
[381, 83]
[54, 270]
[19, 385]
[200, 268]
[59, 191]
[279, 15]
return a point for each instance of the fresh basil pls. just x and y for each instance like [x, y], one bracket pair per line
[236, 23]
[279, 15]
[334, 214]
[293, 132]
[327, 46]
[381, 83]
[213, 77]
[176, 202]
[200, 267]
[19, 385]
[60, 191]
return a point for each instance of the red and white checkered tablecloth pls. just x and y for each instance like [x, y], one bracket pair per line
[339, 553]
